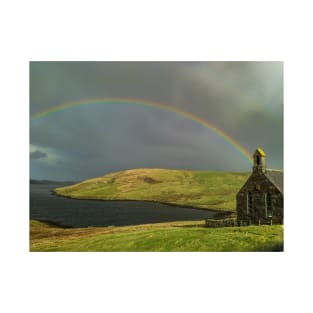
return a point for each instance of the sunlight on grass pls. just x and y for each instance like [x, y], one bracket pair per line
[208, 190]
[174, 236]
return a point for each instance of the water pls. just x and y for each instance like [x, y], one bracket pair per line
[46, 206]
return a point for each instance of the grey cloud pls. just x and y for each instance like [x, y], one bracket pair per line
[35, 155]
[244, 99]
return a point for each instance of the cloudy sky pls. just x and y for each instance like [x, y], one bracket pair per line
[242, 99]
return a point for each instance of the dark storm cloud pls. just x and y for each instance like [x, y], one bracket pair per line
[244, 99]
[35, 155]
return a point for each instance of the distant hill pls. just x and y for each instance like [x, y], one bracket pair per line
[46, 181]
[201, 189]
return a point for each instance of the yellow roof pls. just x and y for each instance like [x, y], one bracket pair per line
[261, 152]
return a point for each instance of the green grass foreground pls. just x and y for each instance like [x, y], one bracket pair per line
[175, 236]
[200, 189]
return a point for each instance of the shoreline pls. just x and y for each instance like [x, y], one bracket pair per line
[221, 212]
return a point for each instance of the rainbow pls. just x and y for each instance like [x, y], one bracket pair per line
[148, 103]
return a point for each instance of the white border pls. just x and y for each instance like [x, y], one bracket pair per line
[155, 282]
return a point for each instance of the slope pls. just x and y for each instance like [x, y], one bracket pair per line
[200, 189]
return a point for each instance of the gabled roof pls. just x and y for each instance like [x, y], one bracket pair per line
[261, 152]
[276, 178]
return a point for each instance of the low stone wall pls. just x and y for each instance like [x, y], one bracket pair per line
[220, 223]
[237, 223]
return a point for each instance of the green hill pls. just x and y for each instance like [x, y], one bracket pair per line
[201, 189]
[174, 236]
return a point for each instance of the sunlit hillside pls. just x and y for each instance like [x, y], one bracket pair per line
[201, 189]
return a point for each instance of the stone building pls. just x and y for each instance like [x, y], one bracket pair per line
[261, 199]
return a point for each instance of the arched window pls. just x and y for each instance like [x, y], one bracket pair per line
[268, 205]
[249, 202]
[258, 160]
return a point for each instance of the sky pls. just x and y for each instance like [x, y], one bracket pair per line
[243, 100]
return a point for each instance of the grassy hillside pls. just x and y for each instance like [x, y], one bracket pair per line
[210, 190]
[174, 236]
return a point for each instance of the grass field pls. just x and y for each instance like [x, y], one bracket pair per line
[174, 236]
[209, 190]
